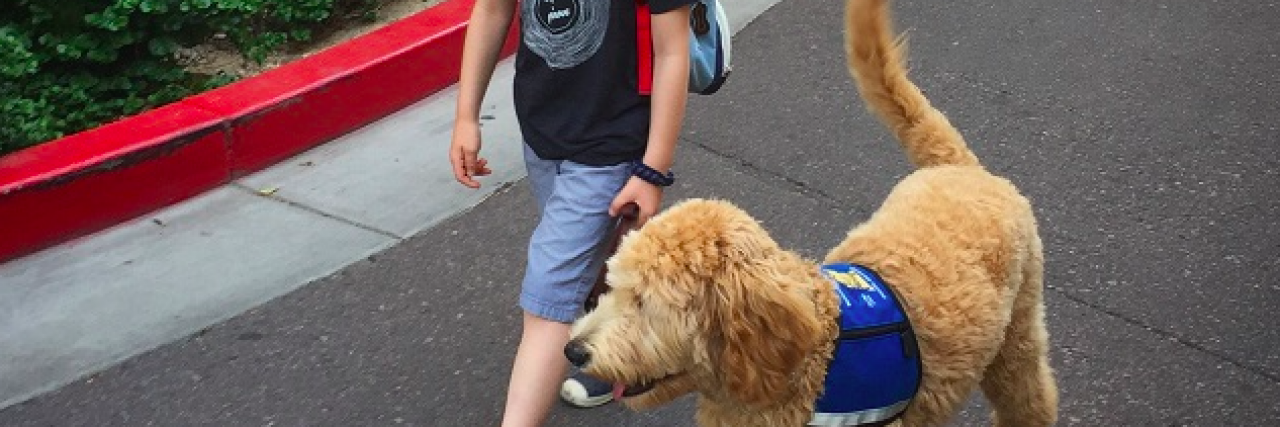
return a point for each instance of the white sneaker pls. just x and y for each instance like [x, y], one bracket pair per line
[584, 391]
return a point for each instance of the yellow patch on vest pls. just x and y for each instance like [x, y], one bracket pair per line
[850, 279]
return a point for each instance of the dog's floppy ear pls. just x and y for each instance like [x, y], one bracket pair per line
[765, 329]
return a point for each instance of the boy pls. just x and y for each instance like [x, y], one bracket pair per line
[592, 145]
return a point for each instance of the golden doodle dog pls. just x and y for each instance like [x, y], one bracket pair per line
[703, 301]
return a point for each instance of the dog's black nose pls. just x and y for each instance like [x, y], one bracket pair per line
[577, 353]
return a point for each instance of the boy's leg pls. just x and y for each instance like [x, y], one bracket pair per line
[538, 370]
[564, 259]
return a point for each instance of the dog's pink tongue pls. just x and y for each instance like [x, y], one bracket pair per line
[618, 388]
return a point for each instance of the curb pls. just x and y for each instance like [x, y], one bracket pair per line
[97, 178]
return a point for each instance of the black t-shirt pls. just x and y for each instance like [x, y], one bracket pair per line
[576, 90]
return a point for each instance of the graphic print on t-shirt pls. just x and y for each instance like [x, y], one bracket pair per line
[564, 32]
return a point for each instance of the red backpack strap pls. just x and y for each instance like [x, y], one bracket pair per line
[644, 47]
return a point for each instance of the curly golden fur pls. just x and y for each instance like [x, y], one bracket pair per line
[703, 301]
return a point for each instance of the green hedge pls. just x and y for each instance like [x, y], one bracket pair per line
[70, 65]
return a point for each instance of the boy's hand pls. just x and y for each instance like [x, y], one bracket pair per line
[464, 154]
[646, 196]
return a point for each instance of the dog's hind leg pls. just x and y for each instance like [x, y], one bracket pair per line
[1019, 382]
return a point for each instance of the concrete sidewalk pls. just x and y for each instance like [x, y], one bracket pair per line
[91, 303]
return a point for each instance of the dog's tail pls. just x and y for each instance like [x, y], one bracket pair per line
[876, 61]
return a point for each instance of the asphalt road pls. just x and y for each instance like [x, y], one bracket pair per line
[1143, 131]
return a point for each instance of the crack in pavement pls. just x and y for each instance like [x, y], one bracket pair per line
[756, 171]
[318, 211]
[1186, 343]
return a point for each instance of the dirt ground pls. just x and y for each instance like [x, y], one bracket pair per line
[214, 57]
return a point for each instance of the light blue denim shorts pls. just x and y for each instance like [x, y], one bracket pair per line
[567, 248]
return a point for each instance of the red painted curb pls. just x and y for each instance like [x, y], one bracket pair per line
[89, 181]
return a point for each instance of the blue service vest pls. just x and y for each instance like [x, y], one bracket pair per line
[876, 368]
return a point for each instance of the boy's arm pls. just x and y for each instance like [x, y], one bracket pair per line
[667, 102]
[670, 86]
[486, 32]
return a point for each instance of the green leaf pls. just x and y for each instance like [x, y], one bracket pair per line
[162, 46]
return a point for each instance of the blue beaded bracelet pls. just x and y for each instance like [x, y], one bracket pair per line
[651, 175]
